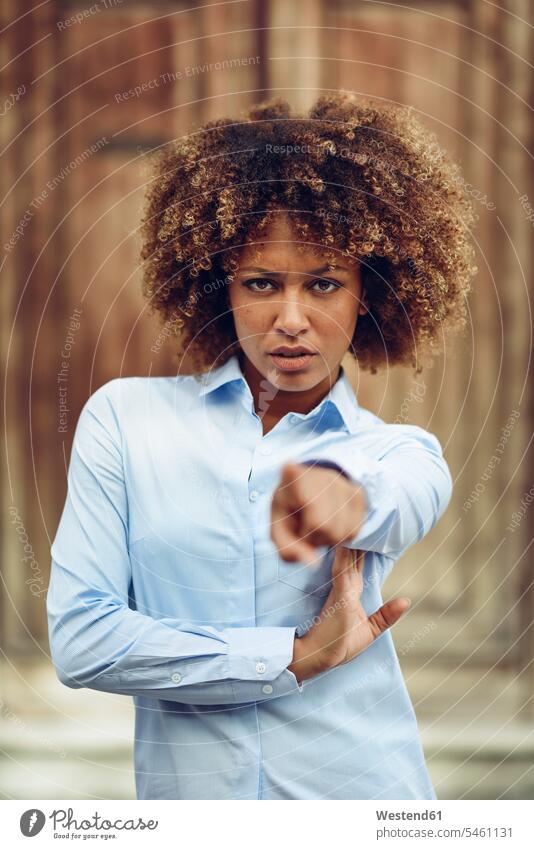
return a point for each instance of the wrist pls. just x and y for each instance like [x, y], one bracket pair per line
[307, 661]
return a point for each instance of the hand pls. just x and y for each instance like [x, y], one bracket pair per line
[344, 630]
[314, 506]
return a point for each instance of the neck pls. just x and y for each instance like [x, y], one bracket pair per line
[274, 403]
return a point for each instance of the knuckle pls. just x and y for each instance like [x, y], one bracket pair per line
[313, 518]
[379, 621]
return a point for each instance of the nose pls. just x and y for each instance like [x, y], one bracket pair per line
[291, 316]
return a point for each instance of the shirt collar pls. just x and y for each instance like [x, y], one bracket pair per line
[341, 396]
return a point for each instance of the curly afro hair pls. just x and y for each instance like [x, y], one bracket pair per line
[358, 178]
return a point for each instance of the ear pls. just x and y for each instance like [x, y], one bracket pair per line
[363, 308]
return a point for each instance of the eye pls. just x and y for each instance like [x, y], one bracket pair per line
[257, 280]
[262, 284]
[326, 283]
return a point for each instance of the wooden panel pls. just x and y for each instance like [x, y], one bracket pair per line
[29, 215]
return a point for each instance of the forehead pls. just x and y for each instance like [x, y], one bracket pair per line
[281, 249]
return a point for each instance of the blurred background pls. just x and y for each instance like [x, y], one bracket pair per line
[73, 138]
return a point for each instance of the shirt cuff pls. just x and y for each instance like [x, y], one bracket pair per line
[249, 691]
[259, 654]
[327, 464]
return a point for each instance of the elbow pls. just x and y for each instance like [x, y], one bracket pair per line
[66, 662]
[70, 669]
[66, 667]
[74, 674]
[74, 669]
[67, 679]
[79, 647]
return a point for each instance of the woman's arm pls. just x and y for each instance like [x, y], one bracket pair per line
[383, 505]
[97, 641]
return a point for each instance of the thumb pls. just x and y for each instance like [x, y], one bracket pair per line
[387, 615]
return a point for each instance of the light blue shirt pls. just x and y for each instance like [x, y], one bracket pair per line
[166, 586]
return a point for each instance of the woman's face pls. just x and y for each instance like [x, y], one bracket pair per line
[288, 299]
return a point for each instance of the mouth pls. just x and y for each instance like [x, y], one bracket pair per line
[287, 359]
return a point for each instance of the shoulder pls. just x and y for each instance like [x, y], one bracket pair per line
[123, 399]
[387, 436]
[127, 390]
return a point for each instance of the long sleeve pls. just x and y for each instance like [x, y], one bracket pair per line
[407, 488]
[97, 640]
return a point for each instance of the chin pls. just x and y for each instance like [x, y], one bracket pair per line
[298, 382]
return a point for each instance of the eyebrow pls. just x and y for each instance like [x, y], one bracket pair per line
[320, 270]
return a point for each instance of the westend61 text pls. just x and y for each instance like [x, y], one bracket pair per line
[408, 815]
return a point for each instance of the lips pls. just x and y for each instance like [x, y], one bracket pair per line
[287, 351]
[291, 359]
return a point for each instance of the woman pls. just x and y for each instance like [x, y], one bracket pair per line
[226, 533]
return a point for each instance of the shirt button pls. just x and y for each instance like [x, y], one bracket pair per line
[293, 419]
[254, 495]
[260, 667]
[267, 689]
[265, 451]
[176, 677]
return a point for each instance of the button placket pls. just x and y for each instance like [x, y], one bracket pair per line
[254, 492]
